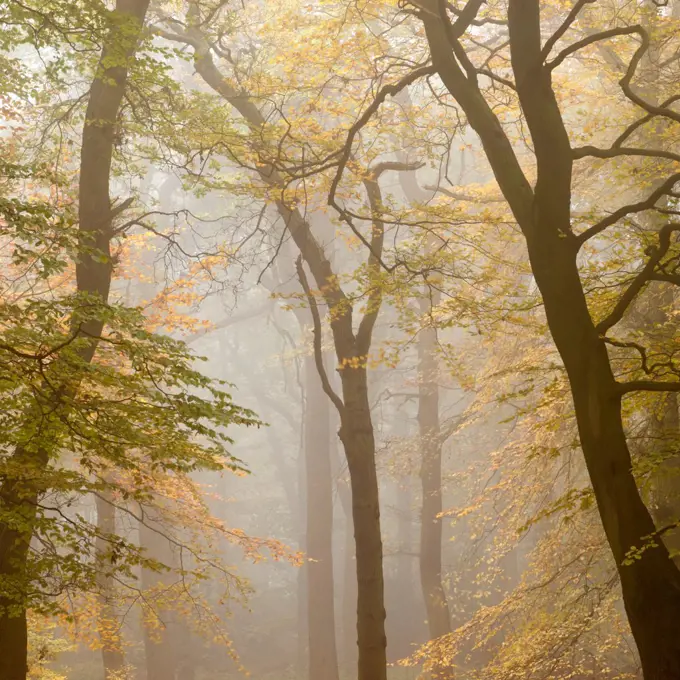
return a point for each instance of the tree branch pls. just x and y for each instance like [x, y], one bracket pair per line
[365, 331]
[642, 121]
[571, 17]
[648, 386]
[627, 79]
[638, 283]
[318, 352]
[632, 345]
[646, 204]
[617, 151]
[590, 40]
[346, 152]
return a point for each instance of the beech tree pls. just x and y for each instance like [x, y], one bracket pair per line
[87, 386]
[543, 211]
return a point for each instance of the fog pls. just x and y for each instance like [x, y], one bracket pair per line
[339, 340]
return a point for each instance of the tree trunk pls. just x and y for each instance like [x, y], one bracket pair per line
[113, 656]
[349, 582]
[356, 431]
[14, 547]
[160, 646]
[356, 434]
[651, 584]
[93, 277]
[434, 595]
[349, 598]
[323, 658]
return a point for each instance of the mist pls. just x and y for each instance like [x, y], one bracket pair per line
[339, 340]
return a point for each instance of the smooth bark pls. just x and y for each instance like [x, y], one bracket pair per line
[434, 595]
[113, 656]
[356, 434]
[323, 657]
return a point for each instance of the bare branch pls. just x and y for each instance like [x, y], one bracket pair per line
[365, 331]
[318, 352]
[387, 90]
[460, 196]
[648, 386]
[642, 121]
[566, 25]
[627, 79]
[465, 16]
[497, 79]
[450, 428]
[590, 40]
[666, 278]
[617, 151]
[475, 22]
[632, 345]
[646, 204]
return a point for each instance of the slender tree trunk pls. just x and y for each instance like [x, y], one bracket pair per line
[110, 637]
[405, 613]
[20, 494]
[349, 598]
[323, 658]
[301, 585]
[349, 582]
[302, 580]
[356, 434]
[434, 595]
[160, 645]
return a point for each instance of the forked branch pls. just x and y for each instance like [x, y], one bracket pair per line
[372, 186]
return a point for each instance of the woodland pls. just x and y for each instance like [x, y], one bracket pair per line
[339, 339]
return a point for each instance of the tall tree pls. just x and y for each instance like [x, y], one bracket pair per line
[323, 657]
[351, 346]
[432, 435]
[93, 276]
[436, 603]
[543, 211]
[113, 656]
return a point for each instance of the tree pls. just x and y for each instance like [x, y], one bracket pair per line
[93, 278]
[71, 417]
[351, 346]
[544, 214]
